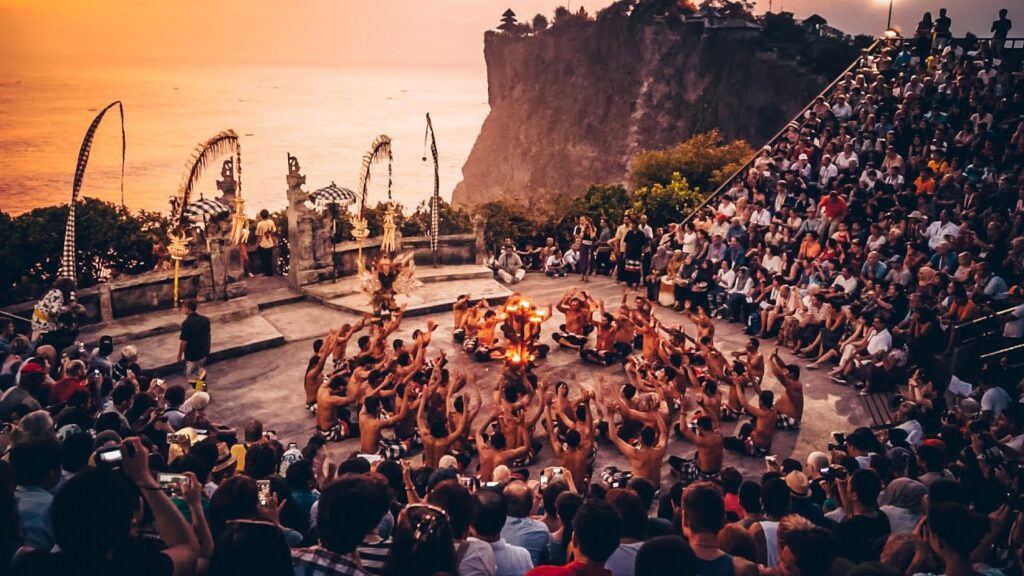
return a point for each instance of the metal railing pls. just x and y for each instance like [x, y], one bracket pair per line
[798, 120]
[15, 317]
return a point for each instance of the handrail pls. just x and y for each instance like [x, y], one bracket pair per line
[1003, 351]
[742, 169]
[15, 317]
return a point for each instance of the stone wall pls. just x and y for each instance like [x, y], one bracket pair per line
[452, 249]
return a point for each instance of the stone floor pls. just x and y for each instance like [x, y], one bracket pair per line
[268, 384]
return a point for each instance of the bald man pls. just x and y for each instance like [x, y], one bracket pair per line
[520, 529]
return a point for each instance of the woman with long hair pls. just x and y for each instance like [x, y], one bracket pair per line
[423, 544]
[586, 233]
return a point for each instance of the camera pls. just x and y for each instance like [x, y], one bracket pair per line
[110, 456]
[171, 483]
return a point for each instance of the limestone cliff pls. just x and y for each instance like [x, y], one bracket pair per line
[571, 105]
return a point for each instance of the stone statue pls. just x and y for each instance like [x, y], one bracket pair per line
[227, 185]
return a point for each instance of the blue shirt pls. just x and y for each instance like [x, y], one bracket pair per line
[510, 560]
[34, 510]
[623, 561]
[530, 534]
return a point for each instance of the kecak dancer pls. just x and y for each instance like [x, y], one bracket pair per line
[578, 308]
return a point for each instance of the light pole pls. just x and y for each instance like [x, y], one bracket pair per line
[888, 25]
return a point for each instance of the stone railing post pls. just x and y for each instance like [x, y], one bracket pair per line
[106, 303]
[479, 222]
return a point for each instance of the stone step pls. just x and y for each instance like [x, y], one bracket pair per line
[231, 338]
[349, 285]
[132, 328]
[430, 298]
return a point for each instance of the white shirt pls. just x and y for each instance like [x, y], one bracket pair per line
[914, 431]
[727, 210]
[847, 284]
[995, 400]
[1015, 327]
[478, 558]
[511, 560]
[879, 341]
[727, 279]
[761, 217]
[937, 232]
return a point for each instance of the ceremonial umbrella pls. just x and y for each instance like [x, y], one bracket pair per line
[203, 208]
[332, 194]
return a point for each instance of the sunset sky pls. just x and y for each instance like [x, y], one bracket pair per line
[68, 33]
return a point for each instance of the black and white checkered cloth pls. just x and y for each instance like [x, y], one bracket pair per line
[332, 194]
[67, 261]
[204, 209]
[435, 218]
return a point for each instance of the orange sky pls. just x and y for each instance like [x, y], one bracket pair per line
[59, 33]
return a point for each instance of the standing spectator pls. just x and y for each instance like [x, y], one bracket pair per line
[595, 538]
[474, 556]
[195, 341]
[864, 529]
[703, 519]
[36, 471]
[348, 510]
[100, 359]
[93, 518]
[1000, 30]
[266, 239]
[492, 512]
[520, 529]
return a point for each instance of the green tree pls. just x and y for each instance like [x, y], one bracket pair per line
[667, 203]
[508, 21]
[562, 14]
[703, 160]
[540, 23]
[109, 241]
[450, 220]
[599, 201]
[505, 220]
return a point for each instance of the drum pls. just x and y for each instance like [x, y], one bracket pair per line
[667, 293]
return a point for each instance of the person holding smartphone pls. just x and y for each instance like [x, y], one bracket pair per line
[92, 520]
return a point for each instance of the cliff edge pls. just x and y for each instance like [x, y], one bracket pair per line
[572, 104]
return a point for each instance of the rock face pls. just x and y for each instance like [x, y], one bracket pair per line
[571, 105]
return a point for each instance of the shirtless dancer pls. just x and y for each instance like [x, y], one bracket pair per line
[705, 326]
[434, 432]
[577, 306]
[576, 453]
[494, 450]
[755, 438]
[753, 359]
[484, 345]
[790, 405]
[459, 313]
[645, 458]
[707, 462]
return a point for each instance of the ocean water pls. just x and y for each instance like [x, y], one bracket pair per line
[327, 117]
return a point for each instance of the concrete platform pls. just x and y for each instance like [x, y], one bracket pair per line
[441, 286]
[268, 384]
[143, 326]
[231, 339]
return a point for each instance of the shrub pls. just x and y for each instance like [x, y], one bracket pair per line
[704, 160]
[667, 203]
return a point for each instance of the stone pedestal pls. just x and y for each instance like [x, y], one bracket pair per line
[310, 250]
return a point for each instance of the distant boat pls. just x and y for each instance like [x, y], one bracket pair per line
[248, 133]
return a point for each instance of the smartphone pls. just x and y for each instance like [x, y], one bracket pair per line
[263, 491]
[178, 439]
[771, 460]
[543, 481]
[371, 458]
[110, 456]
[556, 470]
[492, 484]
[468, 481]
[171, 483]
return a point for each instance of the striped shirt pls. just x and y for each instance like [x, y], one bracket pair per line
[373, 552]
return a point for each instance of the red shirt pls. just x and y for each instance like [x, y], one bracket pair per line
[833, 208]
[571, 569]
[64, 388]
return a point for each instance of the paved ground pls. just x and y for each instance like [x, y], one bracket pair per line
[268, 385]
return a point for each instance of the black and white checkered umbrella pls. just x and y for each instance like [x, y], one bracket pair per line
[204, 209]
[332, 194]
